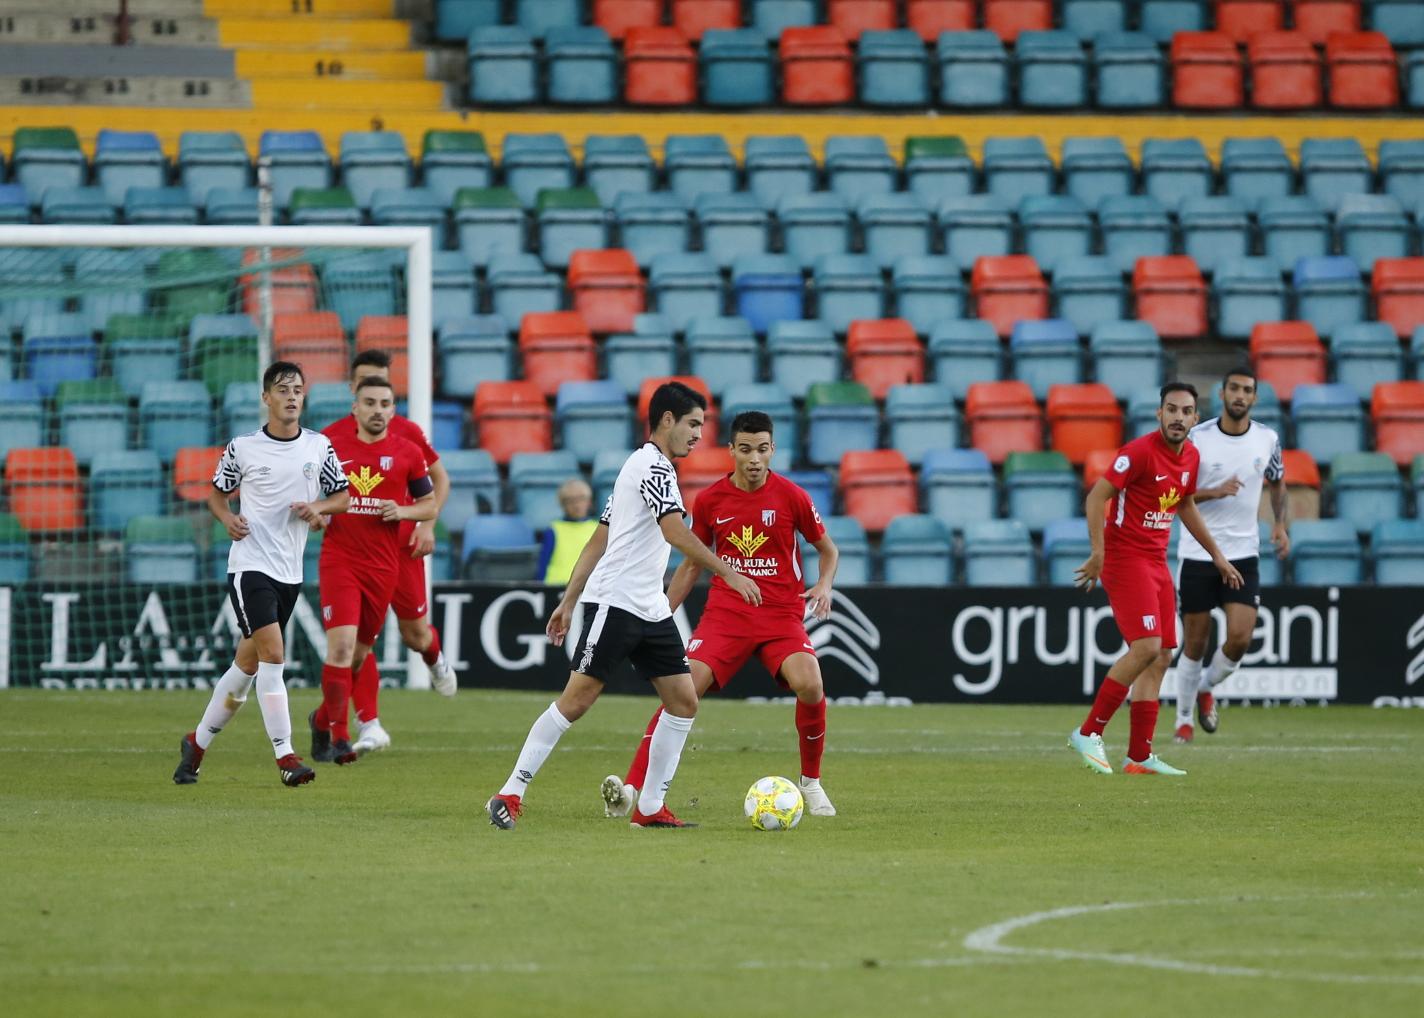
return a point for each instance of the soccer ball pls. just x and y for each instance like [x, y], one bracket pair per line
[774, 804]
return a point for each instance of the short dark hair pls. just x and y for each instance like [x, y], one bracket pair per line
[1172, 387]
[750, 422]
[278, 370]
[376, 382]
[371, 358]
[674, 398]
[1242, 370]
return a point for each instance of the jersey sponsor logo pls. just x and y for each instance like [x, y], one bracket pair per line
[768, 517]
[1169, 501]
[1121, 464]
[364, 481]
[748, 542]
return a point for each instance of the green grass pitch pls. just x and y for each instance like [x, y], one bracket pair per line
[975, 868]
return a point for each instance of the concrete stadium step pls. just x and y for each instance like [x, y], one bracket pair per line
[81, 61]
[379, 65]
[98, 29]
[137, 8]
[317, 33]
[61, 90]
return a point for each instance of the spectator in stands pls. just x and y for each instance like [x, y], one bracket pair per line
[566, 537]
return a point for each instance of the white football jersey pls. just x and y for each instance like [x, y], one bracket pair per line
[1252, 458]
[630, 573]
[270, 474]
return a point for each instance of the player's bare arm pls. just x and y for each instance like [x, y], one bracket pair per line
[422, 539]
[1280, 508]
[422, 510]
[684, 577]
[220, 505]
[1226, 489]
[1095, 506]
[683, 540]
[818, 598]
[559, 621]
[1191, 518]
[313, 513]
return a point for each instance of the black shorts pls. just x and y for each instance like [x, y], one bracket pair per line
[611, 636]
[1200, 589]
[260, 600]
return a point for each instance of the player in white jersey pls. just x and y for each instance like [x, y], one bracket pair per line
[289, 480]
[1238, 457]
[626, 616]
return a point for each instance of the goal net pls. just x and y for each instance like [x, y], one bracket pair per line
[132, 355]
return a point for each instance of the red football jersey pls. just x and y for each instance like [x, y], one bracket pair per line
[389, 469]
[754, 532]
[1151, 481]
[400, 427]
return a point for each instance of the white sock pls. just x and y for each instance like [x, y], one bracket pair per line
[272, 698]
[1188, 679]
[229, 694]
[1221, 669]
[810, 782]
[544, 735]
[669, 737]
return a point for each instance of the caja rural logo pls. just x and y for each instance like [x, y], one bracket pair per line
[364, 482]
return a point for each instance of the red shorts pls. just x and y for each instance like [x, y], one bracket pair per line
[725, 641]
[353, 596]
[411, 594]
[1143, 600]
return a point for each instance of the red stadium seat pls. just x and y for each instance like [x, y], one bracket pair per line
[390, 333]
[1206, 72]
[1096, 464]
[931, 17]
[315, 340]
[1007, 18]
[1285, 71]
[1316, 19]
[883, 353]
[1302, 487]
[1398, 285]
[45, 492]
[1008, 289]
[1171, 294]
[556, 347]
[617, 16]
[693, 17]
[512, 417]
[853, 17]
[1364, 74]
[1241, 19]
[193, 470]
[816, 67]
[1083, 418]
[876, 486]
[607, 289]
[707, 464]
[1398, 410]
[1003, 417]
[1288, 354]
[660, 66]
[293, 286]
[711, 426]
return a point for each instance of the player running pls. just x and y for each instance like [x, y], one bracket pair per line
[626, 615]
[751, 518]
[1130, 512]
[290, 479]
[361, 558]
[1238, 455]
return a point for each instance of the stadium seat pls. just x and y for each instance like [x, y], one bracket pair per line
[124, 485]
[932, 18]
[816, 67]
[1003, 417]
[539, 16]
[847, 288]
[1331, 168]
[684, 287]
[876, 486]
[474, 487]
[1364, 354]
[1247, 291]
[767, 289]
[1398, 547]
[1128, 68]
[856, 17]
[1398, 285]
[241, 408]
[893, 226]
[801, 354]
[533, 162]
[1362, 69]
[1065, 548]
[722, 351]
[25, 425]
[732, 225]
[511, 417]
[975, 226]
[1045, 353]
[998, 553]
[190, 282]
[149, 206]
[172, 415]
[1096, 168]
[884, 353]
[1401, 170]
[44, 157]
[1055, 229]
[1082, 418]
[500, 548]
[700, 469]
[1329, 292]
[696, 17]
[581, 66]
[615, 17]
[556, 346]
[1398, 412]
[1214, 230]
[1255, 169]
[974, 70]
[1325, 552]
[615, 163]
[125, 159]
[519, 285]
[1039, 487]
[470, 350]
[772, 16]
[958, 486]
[1017, 167]
[488, 222]
[917, 551]
[452, 160]
[1133, 227]
[45, 492]
[1126, 356]
[1008, 290]
[87, 206]
[1402, 21]
[372, 160]
[652, 224]
[607, 463]
[711, 420]
[57, 348]
[1088, 291]
[297, 159]
[660, 68]
[928, 289]
[606, 288]
[1010, 18]
[14, 204]
[1287, 355]
[647, 352]
[937, 167]
[209, 160]
[853, 569]
[775, 401]
[503, 66]
[1171, 294]
[534, 479]
[817, 483]
[813, 225]
[160, 549]
[323, 206]
[1327, 420]
[778, 165]
[840, 418]
[14, 550]
[93, 418]
[1285, 71]
[1052, 70]
[409, 206]
[1174, 169]
[193, 469]
[920, 418]
[699, 164]
[964, 351]
[1087, 19]
[1293, 227]
[568, 220]
[1162, 19]
[1244, 20]
[1371, 227]
[1206, 72]
[1317, 19]
[1367, 489]
[894, 69]
[315, 340]
[223, 350]
[391, 335]
[454, 294]
[112, 282]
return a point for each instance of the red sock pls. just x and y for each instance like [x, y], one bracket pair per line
[429, 654]
[1144, 723]
[811, 727]
[336, 699]
[638, 769]
[1110, 696]
[366, 690]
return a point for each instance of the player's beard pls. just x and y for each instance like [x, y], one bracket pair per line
[375, 432]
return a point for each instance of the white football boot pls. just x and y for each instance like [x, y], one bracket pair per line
[443, 677]
[371, 738]
[818, 804]
[618, 798]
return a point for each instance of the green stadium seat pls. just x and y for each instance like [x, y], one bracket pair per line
[160, 549]
[451, 160]
[93, 418]
[489, 221]
[45, 157]
[938, 167]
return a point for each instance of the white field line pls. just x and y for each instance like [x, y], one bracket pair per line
[1050, 749]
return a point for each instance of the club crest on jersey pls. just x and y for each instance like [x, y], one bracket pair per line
[388, 461]
[308, 470]
[768, 517]
[747, 542]
[1186, 477]
[1149, 622]
[693, 645]
[364, 481]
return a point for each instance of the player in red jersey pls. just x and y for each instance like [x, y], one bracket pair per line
[361, 555]
[1130, 511]
[750, 518]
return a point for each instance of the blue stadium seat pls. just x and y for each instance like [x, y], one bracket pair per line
[894, 69]
[837, 426]
[1142, 413]
[1365, 354]
[722, 351]
[975, 226]
[160, 549]
[964, 351]
[500, 548]
[14, 551]
[326, 403]
[1401, 170]
[1065, 548]
[231, 206]
[1044, 354]
[1325, 552]
[1089, 291]
[1087, 19]
[173, 415]
[36, 271]
[454, 19]
[112, 282]
[87, 206]
[998, 553]
[503, 66]
[447, 425]
[488, 222]
[974, 70]
[698, 163]
[519, 285]
[1128, 67]
[358, 286]
[1215, 229]
[1268, 409]
[1270, 565]
[848, 289]
[24, 417]
[409, 206]
[894, 226]
[1052, 70]
[816, 483]
[533, 162]
[568, 220]
[1133, 227]
[606, 465]
[1162, 19]
[778, 165]
[240, 409]
[814, 224]
[1372, 226]
[919, 418]
[1040, 487]
[93, 418]
[58, 348]
[652, 224]
[802, 353]
[1331, 168]
[859, 165]
[771, 16]
[917, 551]
[737, 68]
[1127, 356]
[1367, 489]
[614, 163]
[535, 478]
[371, 160]
[927, 290]
[1254, 169]
[647, 352]
[125, 159]
[1398, 547]
[474, 487]
[14, 203]
[1056, 229]
[582, 66]
[1328, 420]
[853, 566]
[733, 224]
[1293, 227]
[1016, 167]
[454, 294]
[1401, 20]
[684, 287]
[540, 16]
[767, 289]
[212, 159]
[1247, 290]
[957, 486]
[1329, 293]
[298, 159]
[773, 400]
[452, 160]
[937, 167]
[1174, 169]
[123, 485]
[146, 206]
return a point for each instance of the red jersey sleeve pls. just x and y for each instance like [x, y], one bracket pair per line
[702, 513]
[808, 518]
[1126, 467]
[417, 474]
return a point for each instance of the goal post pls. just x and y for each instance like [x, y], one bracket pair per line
[103, 282]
